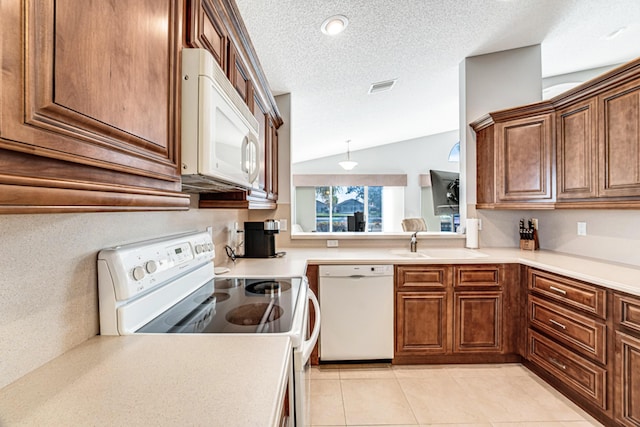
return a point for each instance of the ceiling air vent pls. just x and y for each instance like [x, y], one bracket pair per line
[382, 86]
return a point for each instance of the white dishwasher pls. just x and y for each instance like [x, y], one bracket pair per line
[357, 312]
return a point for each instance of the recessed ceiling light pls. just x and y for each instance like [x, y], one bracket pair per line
[334, 25]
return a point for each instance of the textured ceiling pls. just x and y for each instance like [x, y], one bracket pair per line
[420, 43]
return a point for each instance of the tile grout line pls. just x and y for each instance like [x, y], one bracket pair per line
[344, 408]
[415, 417]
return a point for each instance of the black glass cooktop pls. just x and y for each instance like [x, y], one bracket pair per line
[232, 305]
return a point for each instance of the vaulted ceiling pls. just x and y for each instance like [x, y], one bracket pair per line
[420, 43]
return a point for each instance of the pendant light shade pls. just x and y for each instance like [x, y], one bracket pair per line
[348, 164]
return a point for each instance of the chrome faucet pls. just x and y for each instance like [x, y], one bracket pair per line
[414, 241]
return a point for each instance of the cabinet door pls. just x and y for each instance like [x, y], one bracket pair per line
[627, 380]
[205, 30]
[619, 124]
[239, 76]
[577, 151]
[477, 322]
[272, 162]
[88, 108]
[524, 159]
[264, 134]
[485, 168]
[421, 323]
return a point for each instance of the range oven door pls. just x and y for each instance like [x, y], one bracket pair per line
[302, 365]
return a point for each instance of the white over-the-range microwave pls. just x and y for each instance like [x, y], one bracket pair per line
[219, 133]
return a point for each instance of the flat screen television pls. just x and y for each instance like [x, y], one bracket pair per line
[445, 189]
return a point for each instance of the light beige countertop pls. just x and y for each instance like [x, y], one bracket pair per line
[614, 276]
[221, 379]
[170, 380]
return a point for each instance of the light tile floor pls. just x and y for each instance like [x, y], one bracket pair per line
[438, 395]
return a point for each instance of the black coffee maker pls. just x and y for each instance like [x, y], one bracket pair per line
[260, 239]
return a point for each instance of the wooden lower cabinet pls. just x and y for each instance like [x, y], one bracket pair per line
[581, 333]
[627, 379]
[478, 322]
[571, 370]
[456, 313]
[569, 341]
[627, 359]
[422, 323]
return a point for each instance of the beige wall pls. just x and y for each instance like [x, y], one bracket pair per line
[48, 278]
[612, 235]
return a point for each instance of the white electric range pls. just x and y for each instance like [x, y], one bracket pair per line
[168, 285]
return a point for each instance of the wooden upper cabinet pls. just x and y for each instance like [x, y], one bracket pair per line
[217, 26]
[89, 106]
[260, 113]
[524, 155]
[619, 118]
[239, 76]
[515, 158]
[485, 168]
[205, 30]
[580, 149]
[272, 162]
[577, 150]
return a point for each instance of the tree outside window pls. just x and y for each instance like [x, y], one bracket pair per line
[335, 204]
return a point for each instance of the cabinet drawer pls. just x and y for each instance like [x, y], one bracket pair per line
[627, 312]
[581, 333]
[477, 276]
[581, 375]
[572, 292]
[423, 277]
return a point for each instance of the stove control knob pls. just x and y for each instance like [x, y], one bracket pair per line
[199, 249]
[138, 273]
[151, 266]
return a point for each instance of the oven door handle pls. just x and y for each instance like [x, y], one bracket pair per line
[307, 346]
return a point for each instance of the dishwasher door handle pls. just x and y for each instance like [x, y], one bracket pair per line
[357, 276]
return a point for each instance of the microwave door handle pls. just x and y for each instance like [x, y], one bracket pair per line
[245, 151]
[253, 167]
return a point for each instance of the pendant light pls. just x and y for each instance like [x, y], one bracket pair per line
[348, 164]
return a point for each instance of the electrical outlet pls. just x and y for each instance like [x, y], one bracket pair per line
[582, 229]
[283, 225]
[534, 221]
[332, 243]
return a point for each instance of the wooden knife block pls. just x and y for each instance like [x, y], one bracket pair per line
[530, 245]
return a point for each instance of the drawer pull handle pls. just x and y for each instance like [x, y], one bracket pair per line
[558, 324]
[558, 290]
[557, 363]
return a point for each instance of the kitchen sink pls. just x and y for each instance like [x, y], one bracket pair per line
[447, 253]
[408, 254]
[453, 253]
